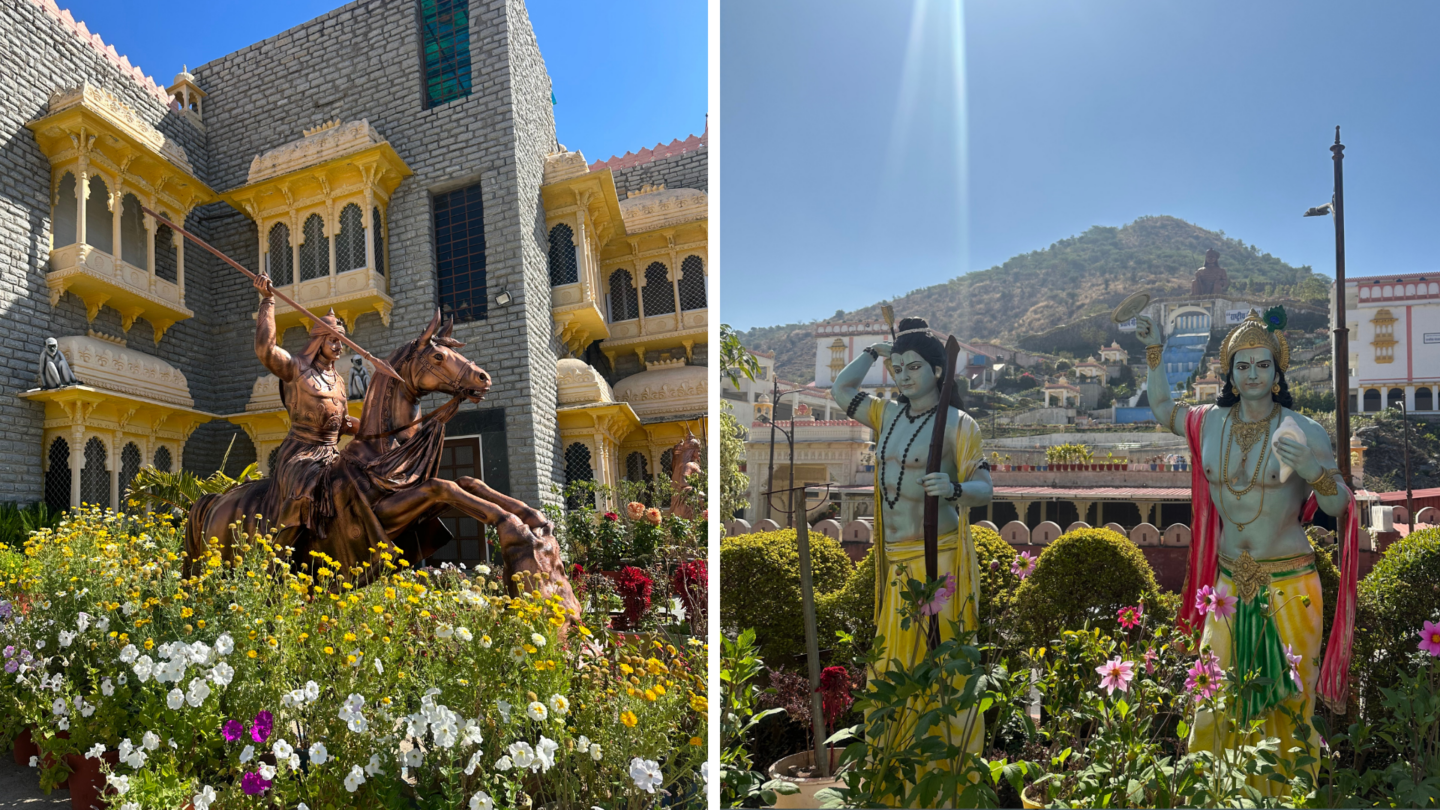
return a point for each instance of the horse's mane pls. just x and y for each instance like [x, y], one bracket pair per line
[376, 415]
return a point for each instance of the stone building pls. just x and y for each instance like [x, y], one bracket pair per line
[383, 159]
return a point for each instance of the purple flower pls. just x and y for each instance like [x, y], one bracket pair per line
[12, 665]
[253, 783]
[232, 730]
[24, 655]
[5, 610]
[264, 722]
[10, 651]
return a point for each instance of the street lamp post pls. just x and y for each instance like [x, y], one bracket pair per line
[1409, 493]
[1342, 332]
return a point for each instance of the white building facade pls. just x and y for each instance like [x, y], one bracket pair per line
[1394, 324]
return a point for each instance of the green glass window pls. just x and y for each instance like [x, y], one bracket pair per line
[445, 36]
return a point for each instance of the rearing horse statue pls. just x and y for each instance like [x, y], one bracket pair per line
[382, 486]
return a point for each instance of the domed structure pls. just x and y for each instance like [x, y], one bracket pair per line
[668, 389]
[577, 383]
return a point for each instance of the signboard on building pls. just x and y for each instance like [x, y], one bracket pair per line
[1432, 337]
[1128, 326]
[1235, 316]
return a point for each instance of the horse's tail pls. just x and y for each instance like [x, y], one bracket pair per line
[196, 544]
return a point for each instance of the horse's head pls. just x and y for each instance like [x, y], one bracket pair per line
[688, 450]
[434, 365]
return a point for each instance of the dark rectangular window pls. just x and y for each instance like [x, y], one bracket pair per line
[445, 38]
[460, 253]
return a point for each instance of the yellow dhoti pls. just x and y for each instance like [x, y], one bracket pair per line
[1298, 626]
[904, 648]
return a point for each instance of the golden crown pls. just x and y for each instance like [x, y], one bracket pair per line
[1253, 334]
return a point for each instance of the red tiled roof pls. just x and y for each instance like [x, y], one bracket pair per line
[785, 423]
[1398, 497]
[661, 150]
[76, 27]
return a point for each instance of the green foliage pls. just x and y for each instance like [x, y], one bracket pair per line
[761, 575]
[1079, 278]
[157, 489]
[1085, 576]
[17, 522]
[734, 359]
[997, 583]
[1395, 599]
[850, 609]
[1068, 454]
[740, 784]
[733, 484]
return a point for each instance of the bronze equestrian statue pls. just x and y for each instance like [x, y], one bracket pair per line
[382, 486]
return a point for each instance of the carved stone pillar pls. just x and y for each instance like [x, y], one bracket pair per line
[77, 463]
[179, 242]
[82, 193]
[149, 249]
[331, 229]
[112, 466]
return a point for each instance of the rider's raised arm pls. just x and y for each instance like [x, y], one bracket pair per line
[274, 358]
[846, 390]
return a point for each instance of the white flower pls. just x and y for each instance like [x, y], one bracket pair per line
[379, 667]
[302, 806]
[522, 755]
[294, 762]
[59, 707]
[40, 645]
[501, 764]
[246, 753]
[103, 624]
[481, 801]
[151, 741]
[34, 761]
[504, 707]
[267, 771]
[705, 772]
[222, 674]
[646, 773]
[96, 751]
[203, 799]
[64, 724]
[282, 749]
[120, 783]
[545, 752]
[224, 645]
[412, 758]
[444, 631]
[559, 705]
[471, 734]
[144, 668]
[175, 699]
[358, 724]
[582, 743]
[121, 679]
[482, 570]
[595, 752]
[129, 654]
[374, 766]
[536, 710]
[130, 806]
[82, 621]
[107, 687]
[312, 692]
[473, 763]
[485, 641]
[537, 639]
[464, 634]
[199, 690]
[355, 779]
[66, 637]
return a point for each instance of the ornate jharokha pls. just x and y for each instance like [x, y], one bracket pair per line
[381, 489]
[960, 480]
[1260, 471]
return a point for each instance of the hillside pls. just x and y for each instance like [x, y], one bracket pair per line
[1081, 276]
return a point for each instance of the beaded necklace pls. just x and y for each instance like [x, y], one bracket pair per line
[1259, 464]
[884, 490]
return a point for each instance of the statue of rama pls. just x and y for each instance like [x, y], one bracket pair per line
[1249, 537]
[916, 362]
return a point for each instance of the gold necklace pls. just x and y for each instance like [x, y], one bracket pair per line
[1246, 434]
[1259, 466]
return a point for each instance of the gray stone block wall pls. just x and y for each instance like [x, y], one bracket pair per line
[688, 170]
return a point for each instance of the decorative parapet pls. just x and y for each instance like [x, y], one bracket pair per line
[102, 364]
[663, 208]
[319, 145]
[668, 389]
[578, 383]
[564, 165]
[121, 116]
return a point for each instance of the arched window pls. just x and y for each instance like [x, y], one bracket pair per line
[165, 262]
[379, 241]
[281, 264]
[667, 462]
[99, 222]
[129, 466]
[636, 467]
[57, 478]
[1372, 400]
[350, 244]
[315, 250]
[624, 304]
[132, 231]
[1424, 399]
[63, 221]
[162, 459]
[94, 478]
[659, 295]
[1396, 398]
[270, 461]
[577, 468]
[692, 284]
[563, 268]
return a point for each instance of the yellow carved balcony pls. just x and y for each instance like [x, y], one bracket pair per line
[319, 204]
[582, 214]
[106, 163]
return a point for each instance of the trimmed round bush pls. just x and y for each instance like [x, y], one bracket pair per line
[997, 584]
[760, 576]
[1084, 577]
[1398, 596]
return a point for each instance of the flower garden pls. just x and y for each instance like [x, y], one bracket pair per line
[1087, 690]
[279, 683]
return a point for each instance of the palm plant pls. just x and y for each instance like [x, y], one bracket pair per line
[180, 490]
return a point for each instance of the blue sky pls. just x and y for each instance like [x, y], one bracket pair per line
[592, 50]
[865, 155]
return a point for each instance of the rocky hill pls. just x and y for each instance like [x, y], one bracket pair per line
[1067, 282]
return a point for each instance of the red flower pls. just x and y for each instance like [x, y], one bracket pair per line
[835, 694]
[611, 516]
[691, 582]
[634, 586]
[577, 578]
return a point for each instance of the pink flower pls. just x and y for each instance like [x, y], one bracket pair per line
[1129, 616]
[635, 510]
[1024, 565]
[1294, 659]
[1430, 638]
[253, 783]
[1204, 599]
[1224, 604]
[1150, 657]
[1116, 674]
[947, 590]
[652, 516]
[1203, 680]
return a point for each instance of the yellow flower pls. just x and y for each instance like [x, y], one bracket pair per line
[149, 643]
[252, 654]
[629, 719]
[349, 636]
[699, 703]
[379, 611]
[329, 650]
[659, 690]
[696, 741]
[304, 636]
[650, 695]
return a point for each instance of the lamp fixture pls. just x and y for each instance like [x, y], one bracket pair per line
[503, 298]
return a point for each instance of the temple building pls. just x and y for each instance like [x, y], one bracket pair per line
[382, 160]
[1394, 324]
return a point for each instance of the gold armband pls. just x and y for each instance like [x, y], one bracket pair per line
[1174, 408]
[1325, 484]
[1152, 356]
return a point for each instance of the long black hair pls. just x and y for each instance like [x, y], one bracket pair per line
[930, 347]
[1228, 397]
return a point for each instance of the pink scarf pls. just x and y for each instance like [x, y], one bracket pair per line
[1204, 564]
